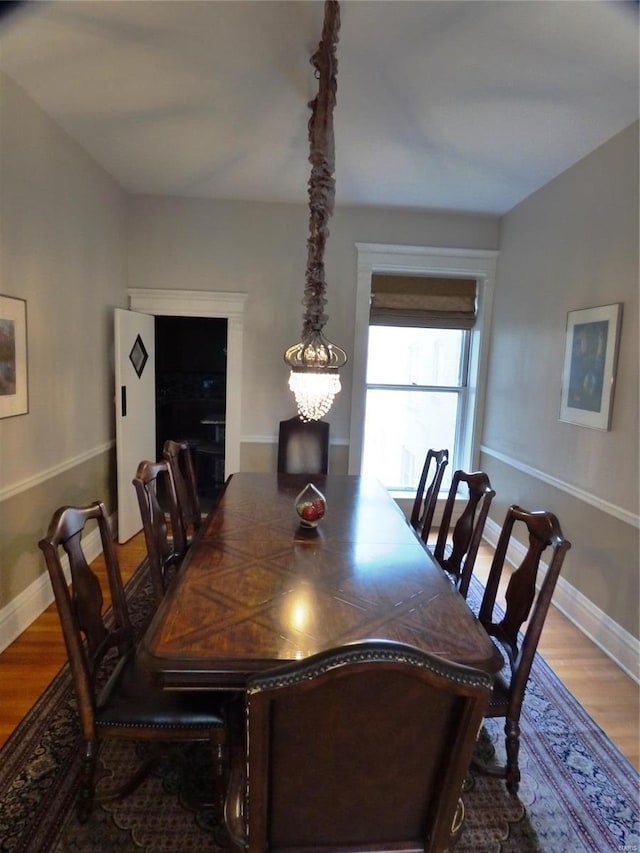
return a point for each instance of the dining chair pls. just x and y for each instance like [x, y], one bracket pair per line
[364, 747]
[456, 547]
[303, 447]
[524, 603]
[164, 539]
[426, 498]
[178, 455]
[115, 697]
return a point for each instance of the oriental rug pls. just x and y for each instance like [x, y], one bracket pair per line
[578, 793]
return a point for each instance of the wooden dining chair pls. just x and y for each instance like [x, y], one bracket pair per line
[303, 447]
[364, 747]
[427, 492]
[118, 700]
[456, 547]
[164, 539]
[178, 455]
[524, 603]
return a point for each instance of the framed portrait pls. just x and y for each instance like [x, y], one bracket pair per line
[14, 397]
[590, 356]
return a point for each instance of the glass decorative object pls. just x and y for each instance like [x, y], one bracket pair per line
[311, 506]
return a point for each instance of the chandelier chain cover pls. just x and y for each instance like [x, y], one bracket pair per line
[321, 186]
[315, 362]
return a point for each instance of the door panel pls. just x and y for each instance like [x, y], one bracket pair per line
[135, 400]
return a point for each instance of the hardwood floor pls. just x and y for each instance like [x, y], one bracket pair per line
[608, 694]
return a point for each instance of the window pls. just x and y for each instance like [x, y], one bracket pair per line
[414, 401]
[440, 368]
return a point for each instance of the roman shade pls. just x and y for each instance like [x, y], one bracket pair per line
[402, 300]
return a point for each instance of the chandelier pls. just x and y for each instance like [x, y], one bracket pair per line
[315, 363]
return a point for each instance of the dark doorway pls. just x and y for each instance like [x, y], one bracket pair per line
[191, 386]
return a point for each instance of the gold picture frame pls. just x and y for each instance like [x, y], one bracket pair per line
[14, 390]
[590, 360]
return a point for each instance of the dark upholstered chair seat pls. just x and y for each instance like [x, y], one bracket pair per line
[130, 699]
[499, 700]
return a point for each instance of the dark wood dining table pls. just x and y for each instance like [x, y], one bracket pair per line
[256, 589]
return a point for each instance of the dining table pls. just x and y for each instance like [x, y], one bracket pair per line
[256, 588]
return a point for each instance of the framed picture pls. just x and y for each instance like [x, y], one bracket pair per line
[14, 398]
[590, 356]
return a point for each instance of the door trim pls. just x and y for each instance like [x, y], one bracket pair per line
[202, 303]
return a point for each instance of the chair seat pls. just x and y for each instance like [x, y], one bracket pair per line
[499, 699]
[131, 699]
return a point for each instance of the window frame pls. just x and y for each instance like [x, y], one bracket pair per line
[425, 260]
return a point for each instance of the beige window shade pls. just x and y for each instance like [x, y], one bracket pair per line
[398, 300]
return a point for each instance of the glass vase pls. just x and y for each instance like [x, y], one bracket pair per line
[311, 506]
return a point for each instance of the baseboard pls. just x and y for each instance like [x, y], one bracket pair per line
[609, 636]
[25, 608]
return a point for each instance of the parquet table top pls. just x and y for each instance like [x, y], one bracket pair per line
[256, 589]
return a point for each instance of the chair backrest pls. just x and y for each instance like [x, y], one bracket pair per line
[427, 492]
[363, 747]
[467, 531]
[87, 636]
[178, 455]
[153, 482]
[523, 601]
[303, 447]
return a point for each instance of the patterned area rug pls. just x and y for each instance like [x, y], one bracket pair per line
[578, 793]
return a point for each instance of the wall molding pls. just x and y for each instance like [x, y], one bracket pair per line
[42, 476]
[621, 646]
[575, 492]
[21, 611]
[273, 439]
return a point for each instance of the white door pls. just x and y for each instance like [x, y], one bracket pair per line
[135, 371]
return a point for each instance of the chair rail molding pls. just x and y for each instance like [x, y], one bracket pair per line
[204, 303]
[24, 609]
[581, 494]
[42, 476]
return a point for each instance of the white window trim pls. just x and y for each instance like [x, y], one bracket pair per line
[423, 260]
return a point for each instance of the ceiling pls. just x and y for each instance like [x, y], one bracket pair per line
[466, 106]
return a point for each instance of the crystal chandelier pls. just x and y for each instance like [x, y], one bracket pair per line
[315, 363]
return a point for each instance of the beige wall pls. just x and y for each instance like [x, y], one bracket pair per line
[260, 249]
[62, 248]
[573, 244]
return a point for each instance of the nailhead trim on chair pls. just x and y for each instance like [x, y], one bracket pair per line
[365, 655]
[182, 726]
